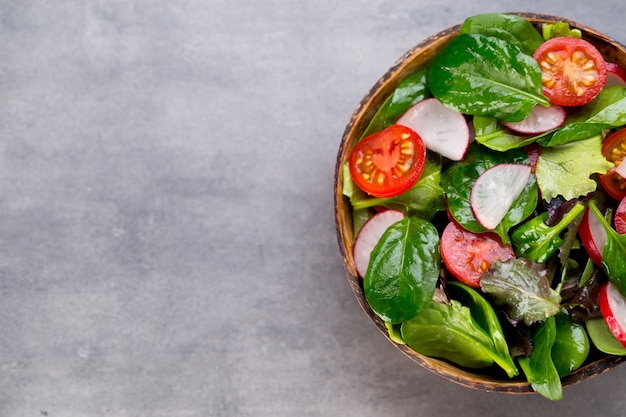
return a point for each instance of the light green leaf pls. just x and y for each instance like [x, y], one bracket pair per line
[566, 169]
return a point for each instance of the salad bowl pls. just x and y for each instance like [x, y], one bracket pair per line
[416, 58]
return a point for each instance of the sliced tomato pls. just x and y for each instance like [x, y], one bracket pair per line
[573, 71]
[468, 255]
[614, 150]
[388, 163]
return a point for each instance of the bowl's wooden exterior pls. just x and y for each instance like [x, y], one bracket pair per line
[413, 59]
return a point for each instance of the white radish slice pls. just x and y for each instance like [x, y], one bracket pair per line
[593, 236]
[540, 120]
[495, 190]
[370, 234]
[621, 169]
[615, 75]
[613, 309]
[442, 129]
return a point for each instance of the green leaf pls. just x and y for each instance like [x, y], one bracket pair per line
[555, 30]
[458, 180]
[523, 288]
[448, 331]
[492, 134]
[354, 193]
[510, 28]
[537, 241]
[409, 91]
[606, 111]
[403, 270]
[486, 76]
[566, 169]
[571, 344]
[603, 338]
[423, 200]
[539, 367]
[486, 318]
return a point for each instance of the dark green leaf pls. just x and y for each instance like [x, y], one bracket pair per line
[409, 91]
[538, 367]
[487, 319]
[606, 111]
[510, 28]
[403, 270]
[537, 241]
[486, 76]
[522, 288]
[571, 345]
[448, 331]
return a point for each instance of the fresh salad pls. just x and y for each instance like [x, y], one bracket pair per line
[488, 196]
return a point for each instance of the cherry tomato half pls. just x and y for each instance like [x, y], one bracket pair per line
[614, 150]
[468, 255]
[388, 163]
[573, 71]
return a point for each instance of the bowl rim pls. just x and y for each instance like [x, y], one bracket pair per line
[406, 63]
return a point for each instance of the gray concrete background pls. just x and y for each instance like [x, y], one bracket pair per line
[167, 245]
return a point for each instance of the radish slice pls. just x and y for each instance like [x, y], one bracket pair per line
[443, 130]
[615, 75]
[620, 217]
[593, 236]
[613, 309]
[370, 234]
[540, 120]
[621, 169]
[495, 190]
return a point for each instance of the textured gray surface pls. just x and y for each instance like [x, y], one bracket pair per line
[167, 245]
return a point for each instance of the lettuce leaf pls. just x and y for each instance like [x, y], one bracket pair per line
[522, 287]
[566, 169]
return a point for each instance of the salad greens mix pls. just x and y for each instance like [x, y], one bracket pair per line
[531, 313]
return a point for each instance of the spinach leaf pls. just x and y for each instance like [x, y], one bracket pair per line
[492, 134]
[486, 318]
[458, 180]
[448, 331]
[566, 169]
[614, 253]
[403, 270]
[606, 111]
[423, 200]
[539, 367]
[409, 91]
[510, 28]
[537, 241]
[522, 287]
[486, 76]
[571, 344]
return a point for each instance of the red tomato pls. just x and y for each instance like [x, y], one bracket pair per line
[573, 71]
[389, 162]
[468, 255]
[620, 217]
[614, 150]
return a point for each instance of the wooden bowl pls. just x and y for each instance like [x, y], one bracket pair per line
[412, 60]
